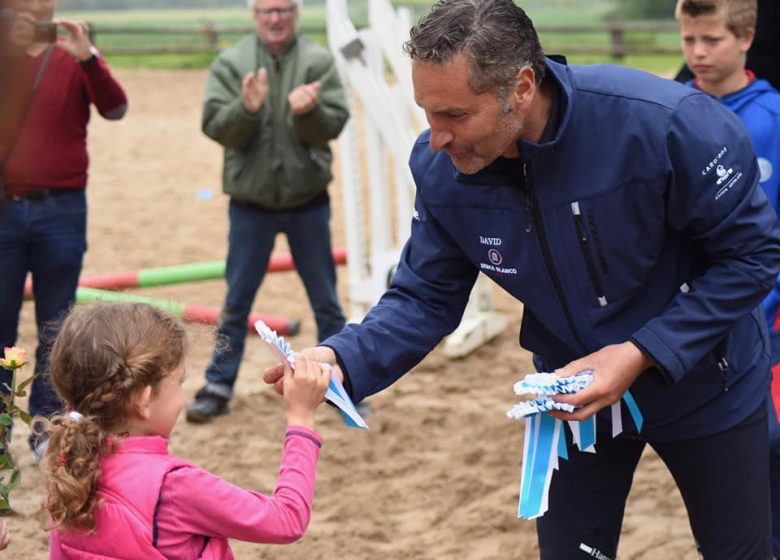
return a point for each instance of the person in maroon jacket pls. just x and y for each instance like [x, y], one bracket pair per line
[44, 112]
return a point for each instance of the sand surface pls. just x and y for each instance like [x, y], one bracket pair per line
[437, 475]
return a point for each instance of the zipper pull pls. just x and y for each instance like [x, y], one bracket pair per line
[723, 364]
[575, 208]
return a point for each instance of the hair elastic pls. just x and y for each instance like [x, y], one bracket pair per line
[75, 416]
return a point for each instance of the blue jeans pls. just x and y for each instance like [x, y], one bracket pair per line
[250, 242]
[47, 238]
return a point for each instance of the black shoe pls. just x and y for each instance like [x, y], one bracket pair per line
[206, 406]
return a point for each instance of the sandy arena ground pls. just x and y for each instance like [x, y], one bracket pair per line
[437, 475]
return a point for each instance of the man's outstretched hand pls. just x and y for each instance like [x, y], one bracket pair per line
[274, 375]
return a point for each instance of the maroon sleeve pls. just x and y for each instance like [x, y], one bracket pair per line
[104, 91]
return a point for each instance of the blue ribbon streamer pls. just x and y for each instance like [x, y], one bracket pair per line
[587, 432]
[539, 467]
[528, 460]
[633, 408]
[563, 452]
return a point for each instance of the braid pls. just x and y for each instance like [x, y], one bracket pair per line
[73, 463]
[113, 391]
[104, 354]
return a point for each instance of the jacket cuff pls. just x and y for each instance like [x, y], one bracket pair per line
[346, 381]
[241, 112]
[294, 430]
[666, 362]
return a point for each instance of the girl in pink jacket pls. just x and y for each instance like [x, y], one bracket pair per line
[115, 492]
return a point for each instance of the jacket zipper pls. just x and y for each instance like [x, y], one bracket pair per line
[536, 220]
[583, 235]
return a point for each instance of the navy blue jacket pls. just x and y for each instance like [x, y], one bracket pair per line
[758, 106]
[640, 220]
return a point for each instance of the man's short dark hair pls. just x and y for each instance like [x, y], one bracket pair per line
[496, 36]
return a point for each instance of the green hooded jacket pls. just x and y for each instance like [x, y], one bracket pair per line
[274, 159]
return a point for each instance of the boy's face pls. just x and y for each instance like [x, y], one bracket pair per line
[713, 53]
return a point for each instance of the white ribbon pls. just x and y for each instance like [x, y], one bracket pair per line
[75, 416]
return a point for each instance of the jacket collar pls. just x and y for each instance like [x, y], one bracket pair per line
[144, 444]
[560, 78]
[290, 46]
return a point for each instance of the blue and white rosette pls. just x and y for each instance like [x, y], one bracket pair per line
[336, 393]
[276, 342]
[544, 440]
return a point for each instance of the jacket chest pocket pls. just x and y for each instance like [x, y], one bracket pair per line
[615, 240]
[591, 251]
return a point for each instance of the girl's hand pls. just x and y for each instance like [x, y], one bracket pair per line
[304, 390]
[274, 375]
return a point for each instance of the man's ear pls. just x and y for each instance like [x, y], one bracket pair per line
[141, 402]
[525, 90]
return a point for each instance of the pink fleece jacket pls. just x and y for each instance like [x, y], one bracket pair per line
[157, 506]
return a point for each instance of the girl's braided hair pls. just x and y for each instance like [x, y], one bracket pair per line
[103, 355]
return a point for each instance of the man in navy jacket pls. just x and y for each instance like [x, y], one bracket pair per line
[622, 210]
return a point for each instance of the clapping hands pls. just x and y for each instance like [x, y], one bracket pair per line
[254, 88]
[304, 98]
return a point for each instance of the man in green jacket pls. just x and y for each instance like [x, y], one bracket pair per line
[273, 101]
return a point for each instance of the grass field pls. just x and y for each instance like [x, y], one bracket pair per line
[232, 23]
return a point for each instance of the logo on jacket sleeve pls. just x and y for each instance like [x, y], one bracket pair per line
[723, 174]
[714, 161]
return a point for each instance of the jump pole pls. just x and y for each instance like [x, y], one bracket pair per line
[180, 274]
[188, 313]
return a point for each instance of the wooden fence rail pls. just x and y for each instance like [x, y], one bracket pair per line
[211, 37]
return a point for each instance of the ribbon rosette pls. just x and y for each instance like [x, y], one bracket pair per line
[544, 439]
[336, 393]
